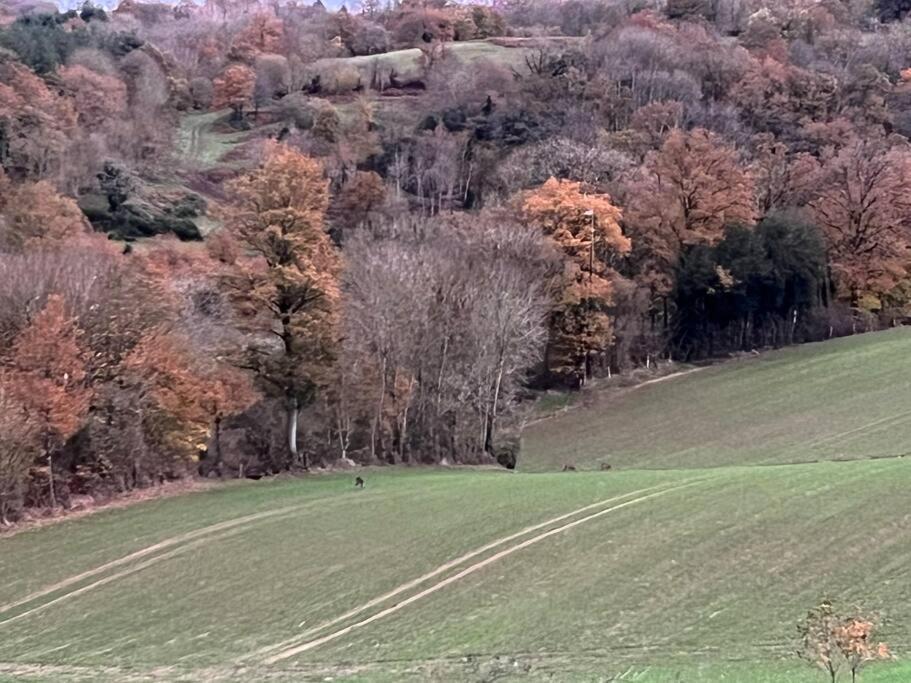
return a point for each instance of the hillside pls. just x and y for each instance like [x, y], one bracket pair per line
[641, 574]
[844, 399]
[293, 579]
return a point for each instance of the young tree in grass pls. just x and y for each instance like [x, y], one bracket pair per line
[855, 641]
[48, 365]
[586, 229]
[818, 644]
[830, 641]
[284, 284]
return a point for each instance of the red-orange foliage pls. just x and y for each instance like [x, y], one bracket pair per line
[777, 96]
[359, 198]
[38, 122]
[96, 97]
[864, 209]
[262, 34]
[829, 640]
[234, 88]
[586, 229]
[415, 27]
[47, 372]
[685, 194]
[854, 637]
[171, 393]
[36, 215]
[19, 446]
[288, 285]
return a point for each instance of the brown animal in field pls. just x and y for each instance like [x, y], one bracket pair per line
[605, 466]
[569, 468]
[358, 483]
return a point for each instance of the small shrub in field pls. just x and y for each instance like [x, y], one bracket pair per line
[832, 641]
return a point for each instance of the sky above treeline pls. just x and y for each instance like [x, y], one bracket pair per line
[111, 4]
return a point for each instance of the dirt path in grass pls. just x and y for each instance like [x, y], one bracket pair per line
[611, 392]
[471, 569]
[826, 440]
[439, 570]
[191, 539]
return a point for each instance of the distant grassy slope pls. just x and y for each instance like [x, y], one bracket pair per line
[846, 398]
[701, 583]
[406, 63]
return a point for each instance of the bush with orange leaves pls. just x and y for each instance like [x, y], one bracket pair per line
[831, 641]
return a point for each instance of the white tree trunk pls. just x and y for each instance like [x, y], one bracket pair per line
[293, 415]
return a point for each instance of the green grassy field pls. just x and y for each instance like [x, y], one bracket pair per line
[406, 63]
[844, 399]
[201, 146]
[654, 575]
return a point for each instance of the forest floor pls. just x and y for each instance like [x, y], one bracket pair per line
[695, 566]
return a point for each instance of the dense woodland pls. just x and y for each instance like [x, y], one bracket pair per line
[392, 257]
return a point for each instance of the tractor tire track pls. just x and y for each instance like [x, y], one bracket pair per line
[121, 574]
[471, 569]
[192, 538]
[825, 440]
[439, 570]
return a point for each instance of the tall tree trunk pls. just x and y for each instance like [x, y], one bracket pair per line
[50, 478]
[219, 466]
[491, 425]
[377, 424]
[293, 416]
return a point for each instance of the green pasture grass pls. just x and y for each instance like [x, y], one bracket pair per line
[707, 578]
[841, 399]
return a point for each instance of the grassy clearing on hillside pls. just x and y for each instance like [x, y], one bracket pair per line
[200, 145]
[406, 63]
[844, 399]
[682, 579]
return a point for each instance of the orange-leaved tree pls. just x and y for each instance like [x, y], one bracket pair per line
[830, 640]
[586, 229]
[47, 369]
[263, 34]
[862, 204]
[283, 277]
[183, 398]
[855, 641]
[684, 195]
[19, 445]
[96, 97]
[234, 89]
[38, 123]
[36, 215]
